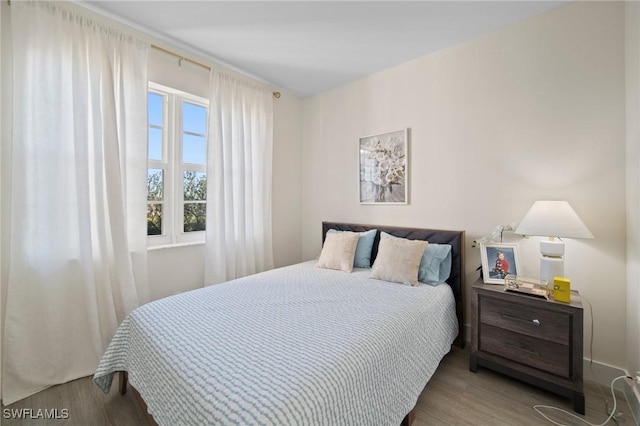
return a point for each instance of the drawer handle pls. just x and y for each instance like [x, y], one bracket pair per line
[520, 348]
[535, 322]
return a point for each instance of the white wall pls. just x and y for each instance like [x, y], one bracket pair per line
[632, 38]
[287, 184]
[534, 111]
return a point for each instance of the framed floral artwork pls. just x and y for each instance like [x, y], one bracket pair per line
[498, 261]
[384, 168]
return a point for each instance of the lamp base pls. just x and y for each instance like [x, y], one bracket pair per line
[552, 247]
[551, 266]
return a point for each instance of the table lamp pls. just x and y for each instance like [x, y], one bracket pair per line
[553, 219]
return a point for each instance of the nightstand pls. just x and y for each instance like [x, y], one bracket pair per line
[534, 340]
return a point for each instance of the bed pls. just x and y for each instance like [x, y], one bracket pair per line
[295, 345]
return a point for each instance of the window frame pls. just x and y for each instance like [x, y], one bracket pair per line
[174, 168]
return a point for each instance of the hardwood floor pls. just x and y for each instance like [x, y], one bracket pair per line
[454, 396]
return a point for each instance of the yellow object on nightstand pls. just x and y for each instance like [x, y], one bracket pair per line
[562, 289]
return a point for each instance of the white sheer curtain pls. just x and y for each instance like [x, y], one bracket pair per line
[239, 158]
[77, 261]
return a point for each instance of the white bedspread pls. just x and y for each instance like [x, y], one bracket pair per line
[293, 346]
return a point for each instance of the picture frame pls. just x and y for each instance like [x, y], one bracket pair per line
[498, 260]
[384, 168]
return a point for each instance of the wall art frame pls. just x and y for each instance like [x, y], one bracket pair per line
[384, 168]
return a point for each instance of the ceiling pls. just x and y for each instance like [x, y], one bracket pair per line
[307, 47]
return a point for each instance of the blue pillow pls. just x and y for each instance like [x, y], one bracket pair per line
[362, 258]
[435, 265]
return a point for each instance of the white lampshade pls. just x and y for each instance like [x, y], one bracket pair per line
[553, 219]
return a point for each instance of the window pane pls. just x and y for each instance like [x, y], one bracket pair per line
[155, 184]
[154, 219]
[194, 149]
[194, 118]
[154, 107]
[195, 186]
[195, 217]
[155, 144]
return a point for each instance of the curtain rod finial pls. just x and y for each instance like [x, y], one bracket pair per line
[276, 95]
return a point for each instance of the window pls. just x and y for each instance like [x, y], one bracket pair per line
[176, 166]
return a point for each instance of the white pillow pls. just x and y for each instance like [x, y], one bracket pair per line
[338, 251]
[398, 260]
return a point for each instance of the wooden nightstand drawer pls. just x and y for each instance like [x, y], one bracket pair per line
[537, 353]
[532, 321]
[535, 340]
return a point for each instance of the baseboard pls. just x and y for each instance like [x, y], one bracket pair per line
[601, 373]
[633, 399]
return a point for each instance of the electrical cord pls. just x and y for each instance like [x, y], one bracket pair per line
[593, 374]
[615, 403]
[611, 414]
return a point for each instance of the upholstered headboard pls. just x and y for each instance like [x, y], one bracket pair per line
[454, 238]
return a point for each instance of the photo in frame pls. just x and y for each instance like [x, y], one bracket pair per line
[499, 260]
[384, 168]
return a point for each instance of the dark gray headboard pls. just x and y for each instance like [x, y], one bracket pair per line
[454, 238]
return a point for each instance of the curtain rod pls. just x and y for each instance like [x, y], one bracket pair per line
[182, 58]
